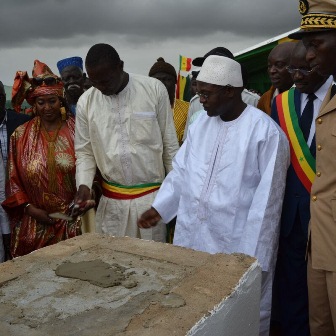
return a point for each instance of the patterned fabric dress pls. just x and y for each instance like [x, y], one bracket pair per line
[29, 182]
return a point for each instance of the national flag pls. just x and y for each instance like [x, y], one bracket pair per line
[185, 63]
[183, 88]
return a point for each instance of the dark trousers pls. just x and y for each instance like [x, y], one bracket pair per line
[290, 288]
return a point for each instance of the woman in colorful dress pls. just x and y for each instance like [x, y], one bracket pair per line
[41, 166]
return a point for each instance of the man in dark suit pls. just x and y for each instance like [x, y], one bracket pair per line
[9, 121]
[295, 111]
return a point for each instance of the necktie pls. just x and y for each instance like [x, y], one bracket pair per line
[333, 91]
[307, 116]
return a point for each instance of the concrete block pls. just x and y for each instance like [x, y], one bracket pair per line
[163, 290]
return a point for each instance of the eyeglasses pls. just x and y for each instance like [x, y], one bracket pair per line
[207, 95]
[303, 72]
[278, 66]
[46, 81]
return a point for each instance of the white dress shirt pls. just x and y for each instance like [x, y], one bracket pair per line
[320, 95]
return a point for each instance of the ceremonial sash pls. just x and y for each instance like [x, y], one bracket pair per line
[301, 158]
[118, 191]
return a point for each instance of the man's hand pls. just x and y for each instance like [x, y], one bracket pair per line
[83, 201]
[148, 219]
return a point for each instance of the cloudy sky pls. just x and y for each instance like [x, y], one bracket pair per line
[140, 30]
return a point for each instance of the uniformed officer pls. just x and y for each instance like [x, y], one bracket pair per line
[318, 33]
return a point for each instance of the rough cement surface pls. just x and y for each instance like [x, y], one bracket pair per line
[175, 287]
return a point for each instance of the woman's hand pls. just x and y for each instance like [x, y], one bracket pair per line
[39, 215]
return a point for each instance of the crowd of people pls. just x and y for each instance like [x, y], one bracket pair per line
[112, 152]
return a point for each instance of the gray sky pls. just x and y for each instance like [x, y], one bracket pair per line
[140, 30]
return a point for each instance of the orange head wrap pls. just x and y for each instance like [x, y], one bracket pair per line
[44, 82]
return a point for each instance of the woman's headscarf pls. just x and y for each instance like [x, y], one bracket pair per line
[30, 88]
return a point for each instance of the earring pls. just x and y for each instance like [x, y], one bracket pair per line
[63, 112]
[34, 109]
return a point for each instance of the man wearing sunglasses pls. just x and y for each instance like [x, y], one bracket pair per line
[196, 107]
[295, 111]
[228, 180]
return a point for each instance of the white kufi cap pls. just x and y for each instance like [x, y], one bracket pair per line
[221, 71]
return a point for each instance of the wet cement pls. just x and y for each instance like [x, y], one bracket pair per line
[96, 272]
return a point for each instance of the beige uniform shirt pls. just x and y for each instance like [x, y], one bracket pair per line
[323, 193]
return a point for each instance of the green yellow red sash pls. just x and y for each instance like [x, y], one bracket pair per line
[118, 191]
[301, 158]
